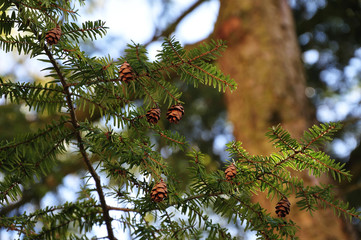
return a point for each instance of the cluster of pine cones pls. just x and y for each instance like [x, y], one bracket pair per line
[174, 114]
[126, 74]
[282, 207]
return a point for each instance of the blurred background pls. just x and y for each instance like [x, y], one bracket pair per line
[324, 36]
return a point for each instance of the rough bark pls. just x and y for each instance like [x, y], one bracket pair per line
[263, 56]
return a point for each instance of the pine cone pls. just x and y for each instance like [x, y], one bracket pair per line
[53, 36]
[126, 73]
[153, 115]
[175, 113]
[231, 172]
[159, 192]
[283, 207]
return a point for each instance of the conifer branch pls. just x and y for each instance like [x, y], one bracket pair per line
[164, 88]
[84, 30]
[46, 131]
[345, 174]
[63, 9]
[211, 75]
[10, 84]
[151, 169]
[169, 138]
[148, 94]
[123, 209]
[334, 206]
[105, 109]
[82, 150]
[214, 49]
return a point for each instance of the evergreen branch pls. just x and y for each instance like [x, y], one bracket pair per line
[148, 94]
[118, 97]
[149, 167]
[208, 223]
[56, 146]
[46, 131]
[336, 206]
[272, 187]
[339, 171]
[288, 158]
[28, 195]
[89, 83]
[100, 106]
[212, 75]
[175, 51]
[199, 196]
[307, 205]
[36, 96]
[84, 30]
[168, 138]
[40, 9]
[149, 226]
[25, 44]
[89, 29]
[165, 89]
[82, 150]
[189, 73]
[25, 162]
[29, 86]
[63, 9]
[6, 192]
[317, 135]
[215, 47]
[123, 209]
[53, 228]
[237, 148]
[155, 161]
[259, 214]
[282, 139]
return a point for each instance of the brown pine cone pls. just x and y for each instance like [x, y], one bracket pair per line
[231, 172]
[159, 192]
[126, 73]
[283, 207]
[153, 115]
[175, 113]
[53, 35]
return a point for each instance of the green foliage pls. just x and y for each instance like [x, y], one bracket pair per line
[127, 158]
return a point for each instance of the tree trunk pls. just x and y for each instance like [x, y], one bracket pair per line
[263, 56]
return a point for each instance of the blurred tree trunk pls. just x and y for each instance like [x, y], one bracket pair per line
[263, 56]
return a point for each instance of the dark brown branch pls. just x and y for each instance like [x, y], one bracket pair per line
[82, 150]
[48, 183]
[34, 137]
